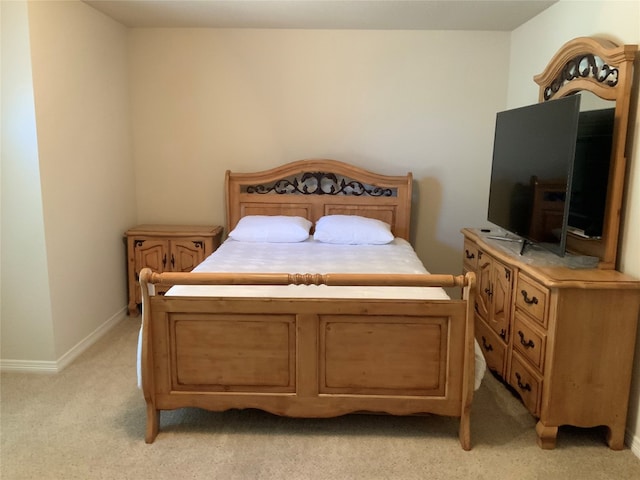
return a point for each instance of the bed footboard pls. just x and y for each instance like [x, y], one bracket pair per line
[308, 357]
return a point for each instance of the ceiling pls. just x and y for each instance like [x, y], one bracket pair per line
[500, 15]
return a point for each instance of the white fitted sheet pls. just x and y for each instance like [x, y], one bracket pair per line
[311, 256]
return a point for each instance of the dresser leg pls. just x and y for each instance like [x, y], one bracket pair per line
[546, 436]
[615, 437]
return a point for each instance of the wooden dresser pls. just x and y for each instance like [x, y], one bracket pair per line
[563, 338]
[166, 248]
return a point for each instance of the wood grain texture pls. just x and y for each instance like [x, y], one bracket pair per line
[311, 357]
[570, 344]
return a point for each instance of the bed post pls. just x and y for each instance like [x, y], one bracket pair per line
[148, 385]
[468, 376]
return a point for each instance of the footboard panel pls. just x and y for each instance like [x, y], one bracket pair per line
[307, 357]
[232, 352]
[376, 355]
[406, 350]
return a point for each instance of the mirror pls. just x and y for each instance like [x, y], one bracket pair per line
[591, 165]
[590, 102]
[602, 73]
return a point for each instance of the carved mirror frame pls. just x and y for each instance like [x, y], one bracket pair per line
[605, 69]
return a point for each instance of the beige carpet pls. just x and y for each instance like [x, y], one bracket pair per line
[88, 422]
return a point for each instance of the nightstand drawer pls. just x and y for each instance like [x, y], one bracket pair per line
[493, 348]
[529, 341]
[532, 298]
[527, 383]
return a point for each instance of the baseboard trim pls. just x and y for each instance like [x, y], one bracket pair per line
[28, 366]
[633, 441]
[51, 367]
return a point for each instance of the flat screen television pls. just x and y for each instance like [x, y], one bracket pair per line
[532, 172]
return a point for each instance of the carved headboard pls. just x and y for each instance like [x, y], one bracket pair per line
[605, 69]
[313, 188]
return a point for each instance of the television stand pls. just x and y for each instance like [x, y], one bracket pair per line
[523, 243]
[562, 338]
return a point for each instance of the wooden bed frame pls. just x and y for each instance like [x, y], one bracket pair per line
[310, 357]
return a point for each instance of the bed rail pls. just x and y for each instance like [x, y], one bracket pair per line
[330, 279]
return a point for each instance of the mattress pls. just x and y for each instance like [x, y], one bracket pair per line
[312, 256]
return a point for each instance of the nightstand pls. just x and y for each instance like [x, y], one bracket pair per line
[166, 248]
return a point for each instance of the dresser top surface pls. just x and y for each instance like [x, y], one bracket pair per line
[551, 272]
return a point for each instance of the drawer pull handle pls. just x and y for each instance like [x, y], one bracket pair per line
[164, 260]
[487, 346]
[173, 261]
[526, 386]
[507, 274]
[528, 344]
[488, 291]
[470, 256]
[479, 255]
[527, 300]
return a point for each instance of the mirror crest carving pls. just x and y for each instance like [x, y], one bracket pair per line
[583, 66]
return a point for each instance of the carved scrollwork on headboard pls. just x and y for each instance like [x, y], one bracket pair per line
[320, 183]
[314, 188]
[583, 66]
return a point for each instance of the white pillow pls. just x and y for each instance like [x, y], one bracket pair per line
[352, 230]
[271, 229]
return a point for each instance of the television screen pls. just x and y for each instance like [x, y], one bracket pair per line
[531, 173]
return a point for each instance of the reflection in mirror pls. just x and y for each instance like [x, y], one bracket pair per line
[591, 101]
[591, 166]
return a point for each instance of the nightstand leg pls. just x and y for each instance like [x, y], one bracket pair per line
[546, 436]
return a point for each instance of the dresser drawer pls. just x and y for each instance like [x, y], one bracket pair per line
[532, 298]
[529, 340]
[527, 383]
[470, 256]
[492, 347]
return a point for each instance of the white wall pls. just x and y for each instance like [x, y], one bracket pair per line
[25, 304]
[532, 46]
[82, 111]
[205, 100]
[83, 199]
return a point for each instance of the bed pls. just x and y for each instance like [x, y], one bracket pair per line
[325, 339]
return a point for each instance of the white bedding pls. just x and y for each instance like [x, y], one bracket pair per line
[312, 257]
[315, 257]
